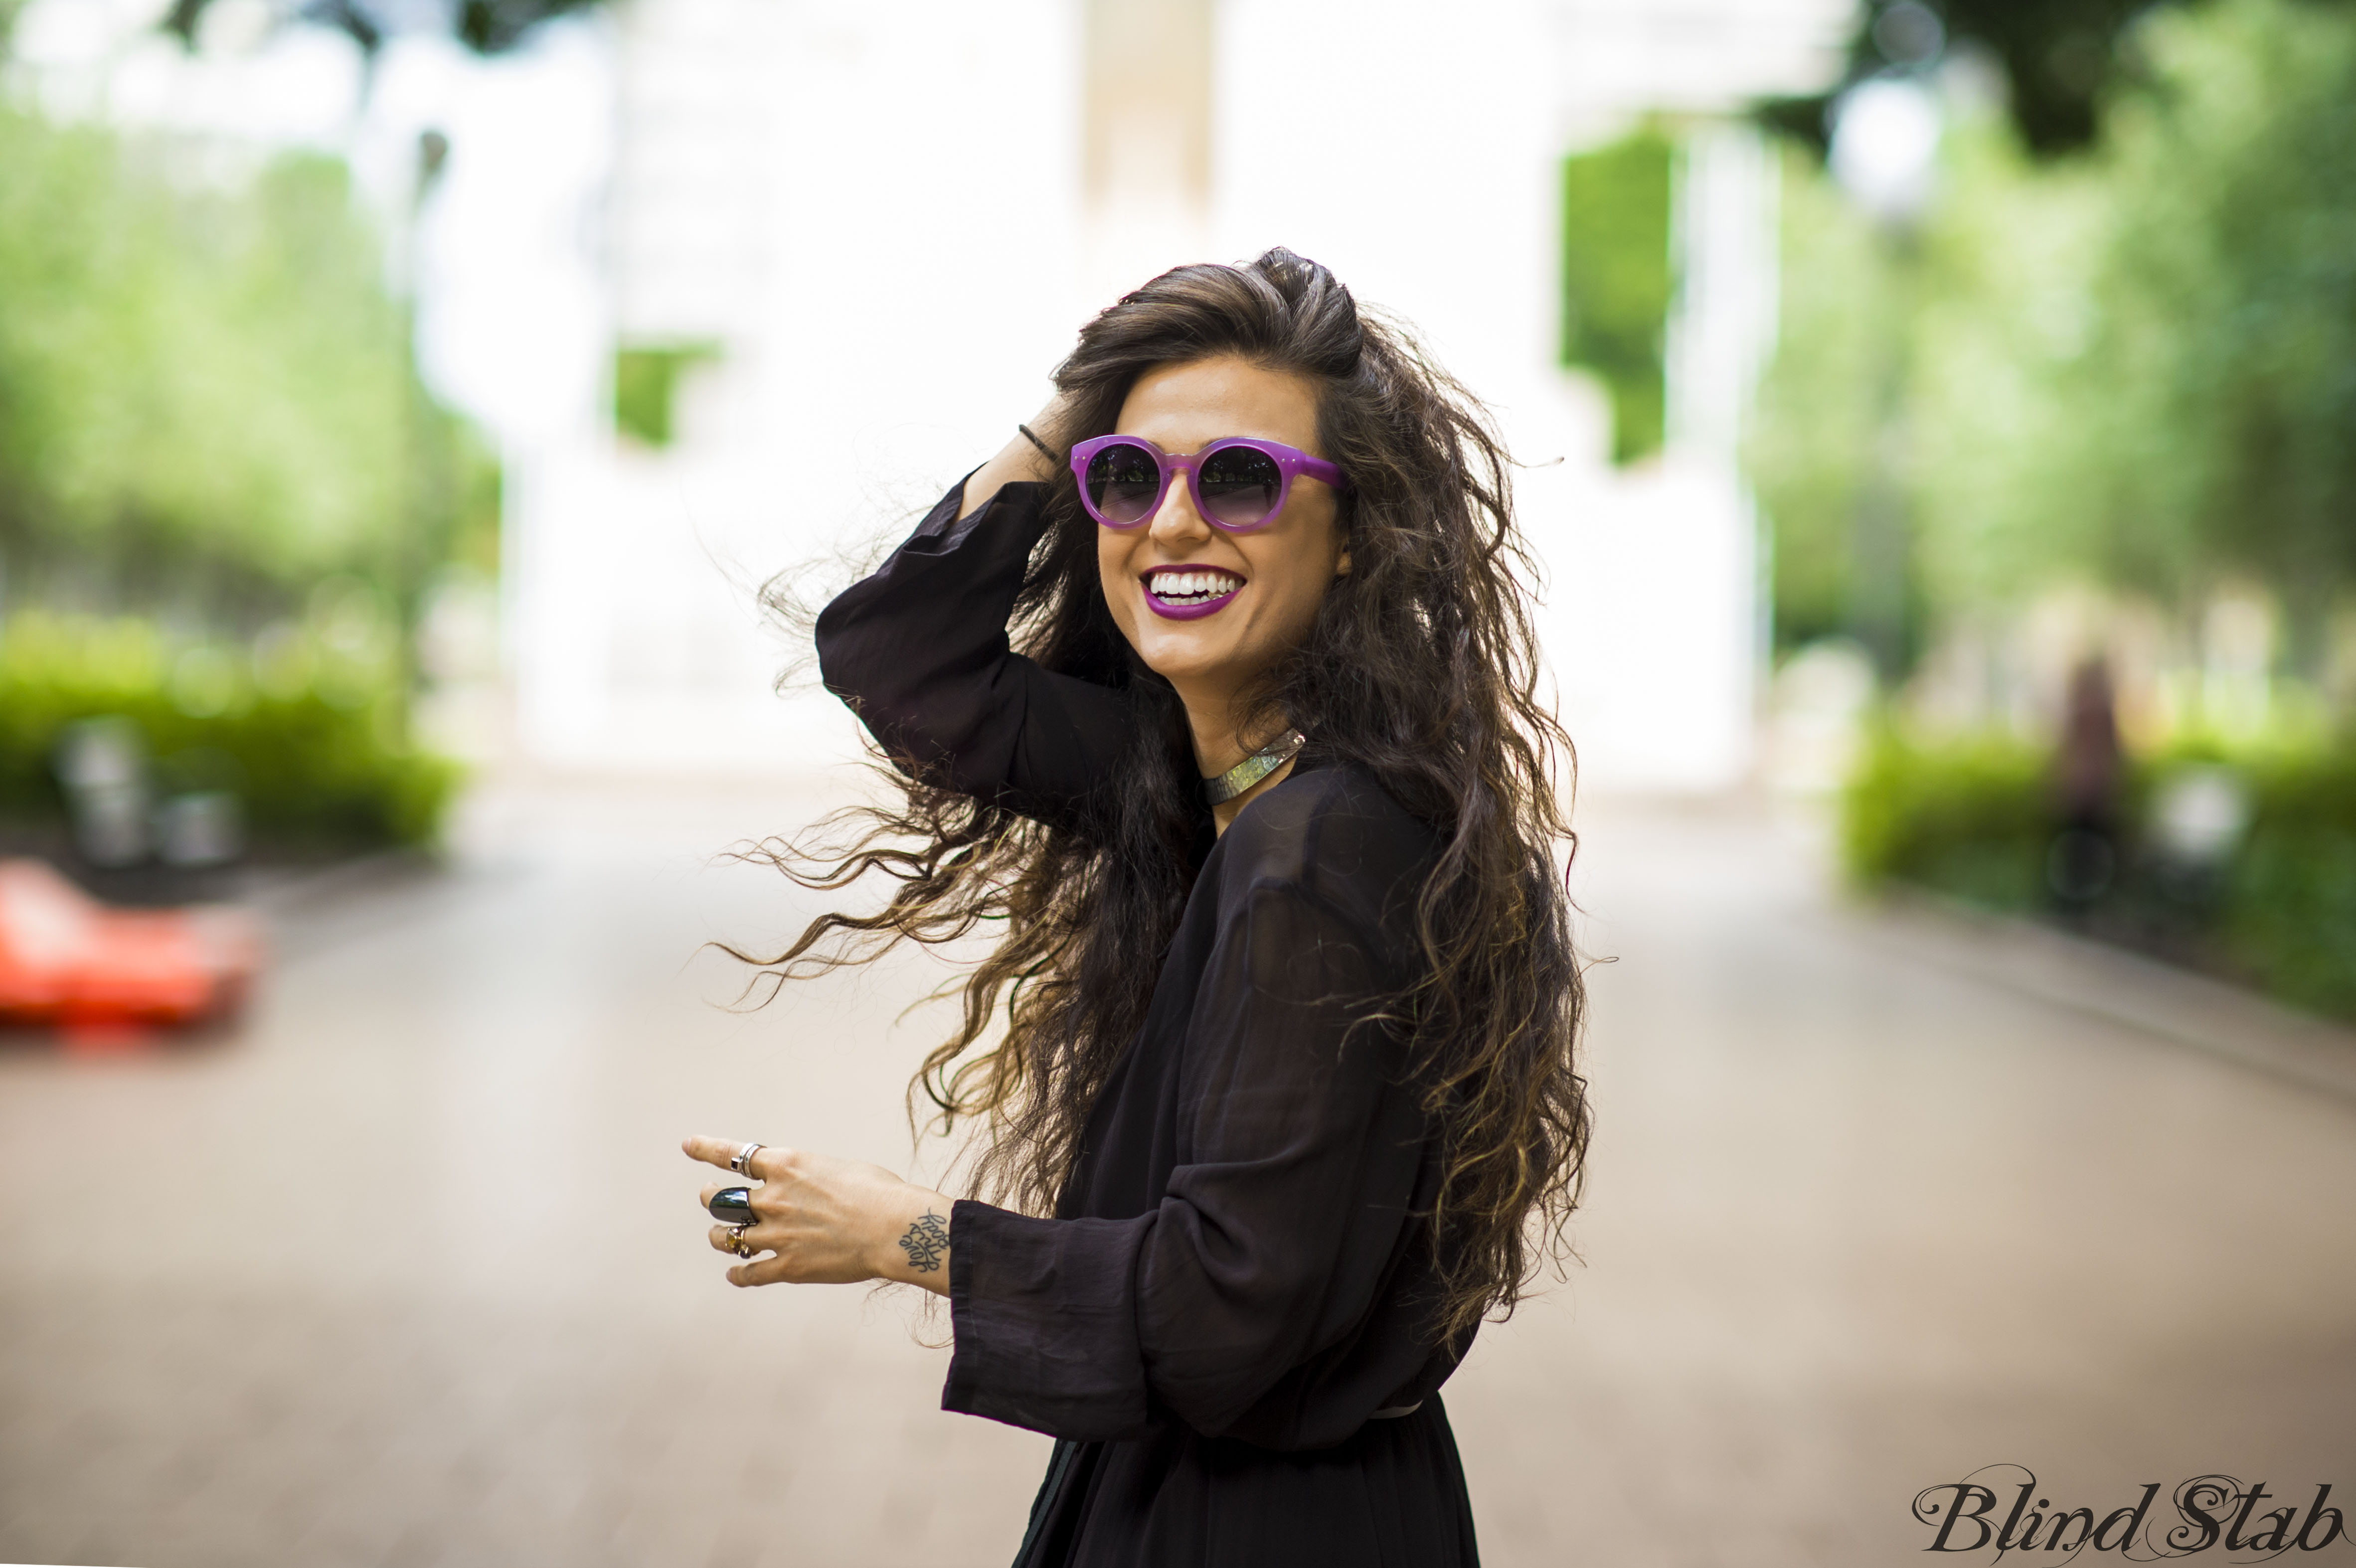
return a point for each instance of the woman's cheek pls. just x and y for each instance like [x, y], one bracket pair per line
[1296, 609]
[1113, 582]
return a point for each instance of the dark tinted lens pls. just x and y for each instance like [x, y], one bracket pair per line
[1239, 486]
[1123, 484]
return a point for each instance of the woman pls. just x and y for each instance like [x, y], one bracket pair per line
[1286, 1070]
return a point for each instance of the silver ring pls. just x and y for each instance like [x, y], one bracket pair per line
[742, 1156]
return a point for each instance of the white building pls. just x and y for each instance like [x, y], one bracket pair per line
[888, 222]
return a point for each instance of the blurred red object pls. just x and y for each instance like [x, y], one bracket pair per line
[88, 968]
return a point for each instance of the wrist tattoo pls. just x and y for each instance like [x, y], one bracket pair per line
[926, 1239]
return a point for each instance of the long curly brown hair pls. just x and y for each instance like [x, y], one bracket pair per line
[1420, 667]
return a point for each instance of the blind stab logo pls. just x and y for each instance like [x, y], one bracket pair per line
[2209, 1511]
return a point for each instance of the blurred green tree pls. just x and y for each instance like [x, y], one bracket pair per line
[1617, 280]
[208, 400]
[487, 26]
[1812, 450]
[2225, 348]
[2137, 365]
[2058, 58]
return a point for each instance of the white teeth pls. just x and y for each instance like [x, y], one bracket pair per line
[1193, 584]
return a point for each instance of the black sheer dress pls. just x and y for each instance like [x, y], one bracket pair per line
[1226, 1323]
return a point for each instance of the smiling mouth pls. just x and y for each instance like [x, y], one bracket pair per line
[1197, 588]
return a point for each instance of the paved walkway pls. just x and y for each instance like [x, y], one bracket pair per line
[408, 1271]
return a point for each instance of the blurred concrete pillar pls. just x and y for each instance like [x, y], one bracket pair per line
[1724, 328]
[1145, 140]
[1658, 623]
[1722, 332]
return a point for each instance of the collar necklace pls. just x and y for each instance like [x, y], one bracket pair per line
[1252, 769]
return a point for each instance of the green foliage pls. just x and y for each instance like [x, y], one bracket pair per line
[2290, 914]
[1936, 366]
[487, 26]
[2005, 306]
[646, 387]
[1813, 445]
[207, 397]
[1617, 282]
[314, 743]
[493, 26]
[2133, 367]
[1969, 817]
[1974, 818]
[2059, 58]
[2228, 332]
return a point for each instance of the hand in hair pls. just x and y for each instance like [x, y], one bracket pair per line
[1018, 462]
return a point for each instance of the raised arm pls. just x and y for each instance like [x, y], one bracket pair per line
[1017, 462]
[920, 652]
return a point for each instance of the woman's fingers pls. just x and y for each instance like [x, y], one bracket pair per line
[712, 1151]
[768, 1271]
[724, 1238]
[823, 1219]
[722, 1152]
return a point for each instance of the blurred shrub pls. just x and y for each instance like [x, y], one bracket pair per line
[2290, 911]
[1974, 818]
[208, 402]
[310, 737]
[1969, 818]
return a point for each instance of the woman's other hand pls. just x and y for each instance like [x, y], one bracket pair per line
[1018, 462]
[826, 1220]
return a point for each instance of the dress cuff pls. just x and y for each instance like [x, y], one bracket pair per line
[1044, 1316]
[1017, 504]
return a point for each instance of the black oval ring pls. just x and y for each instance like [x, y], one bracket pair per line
[733, 1205]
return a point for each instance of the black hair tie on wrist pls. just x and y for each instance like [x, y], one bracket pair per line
[1044, 449]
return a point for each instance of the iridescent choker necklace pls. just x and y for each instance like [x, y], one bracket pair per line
[1252, 769]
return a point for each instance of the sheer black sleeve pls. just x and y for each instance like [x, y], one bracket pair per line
[919, 651]
[1237, 1302]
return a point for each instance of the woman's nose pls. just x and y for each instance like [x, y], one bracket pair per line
[1177, 522]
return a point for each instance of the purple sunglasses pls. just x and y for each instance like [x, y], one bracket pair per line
[1239, 484]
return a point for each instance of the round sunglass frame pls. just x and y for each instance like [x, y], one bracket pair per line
[1289, 459]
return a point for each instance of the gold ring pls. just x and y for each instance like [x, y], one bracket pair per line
[736, 1242]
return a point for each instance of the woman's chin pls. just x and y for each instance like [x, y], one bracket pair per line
[1183, 655]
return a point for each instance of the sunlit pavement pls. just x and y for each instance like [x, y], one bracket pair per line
[409, 1270]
